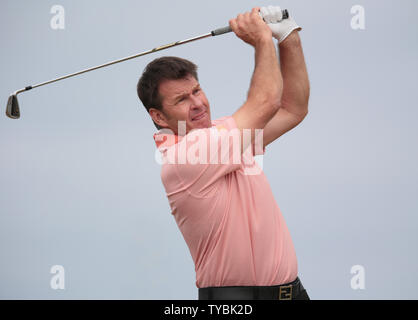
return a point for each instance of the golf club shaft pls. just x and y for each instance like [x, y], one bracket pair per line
[118, 61]
[13, 110]
[215, 32]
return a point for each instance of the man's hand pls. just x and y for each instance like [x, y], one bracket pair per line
[280, 28]
[251, 28]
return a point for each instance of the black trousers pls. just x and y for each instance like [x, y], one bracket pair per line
[289, 291]
[303, 295]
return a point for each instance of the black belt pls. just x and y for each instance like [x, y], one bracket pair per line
[287, 291]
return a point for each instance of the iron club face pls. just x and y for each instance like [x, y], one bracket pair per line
[12, 109]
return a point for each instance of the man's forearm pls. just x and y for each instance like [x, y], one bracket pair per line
[296, 87]
[266, 83]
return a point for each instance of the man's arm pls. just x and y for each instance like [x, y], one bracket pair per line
[265, 91]
[296, 89]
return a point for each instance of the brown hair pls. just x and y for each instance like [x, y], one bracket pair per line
[165, 68]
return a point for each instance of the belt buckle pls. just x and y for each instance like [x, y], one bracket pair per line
[285, 292]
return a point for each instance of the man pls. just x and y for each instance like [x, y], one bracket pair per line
[225, 210]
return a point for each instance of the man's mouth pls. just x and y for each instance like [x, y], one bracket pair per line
[199, 116]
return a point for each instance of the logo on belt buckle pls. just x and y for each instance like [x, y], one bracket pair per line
[285, 293]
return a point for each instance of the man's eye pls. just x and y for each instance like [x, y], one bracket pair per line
[181, 99]
[196, 91]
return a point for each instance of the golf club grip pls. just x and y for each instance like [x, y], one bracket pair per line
[219, 31]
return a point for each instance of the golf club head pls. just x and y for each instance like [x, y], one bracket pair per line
[12, 109]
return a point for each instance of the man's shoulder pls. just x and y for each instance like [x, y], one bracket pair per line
[226, 122]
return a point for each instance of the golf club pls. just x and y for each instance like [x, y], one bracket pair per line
[13, 110]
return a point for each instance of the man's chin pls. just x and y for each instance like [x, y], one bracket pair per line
[188, 126]
[203, 122]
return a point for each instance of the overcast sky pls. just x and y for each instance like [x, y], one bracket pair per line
[80, 187]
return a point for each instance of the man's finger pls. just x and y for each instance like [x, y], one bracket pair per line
[265, 14]
[233, 24]
[276, 14]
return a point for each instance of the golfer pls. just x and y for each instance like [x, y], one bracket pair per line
[219, 196]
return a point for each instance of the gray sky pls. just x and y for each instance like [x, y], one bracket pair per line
[80, 188]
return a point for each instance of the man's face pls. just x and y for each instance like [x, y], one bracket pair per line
[182, 100]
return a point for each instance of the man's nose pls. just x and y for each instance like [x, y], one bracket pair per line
[196, 102]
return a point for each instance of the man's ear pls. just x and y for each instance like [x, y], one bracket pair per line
[158, 117]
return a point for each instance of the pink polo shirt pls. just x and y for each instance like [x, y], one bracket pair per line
[225, 210]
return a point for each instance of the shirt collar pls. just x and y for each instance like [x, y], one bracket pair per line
[165, 138]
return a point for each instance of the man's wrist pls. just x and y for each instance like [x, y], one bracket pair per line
[291, 40]
[263, 41]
